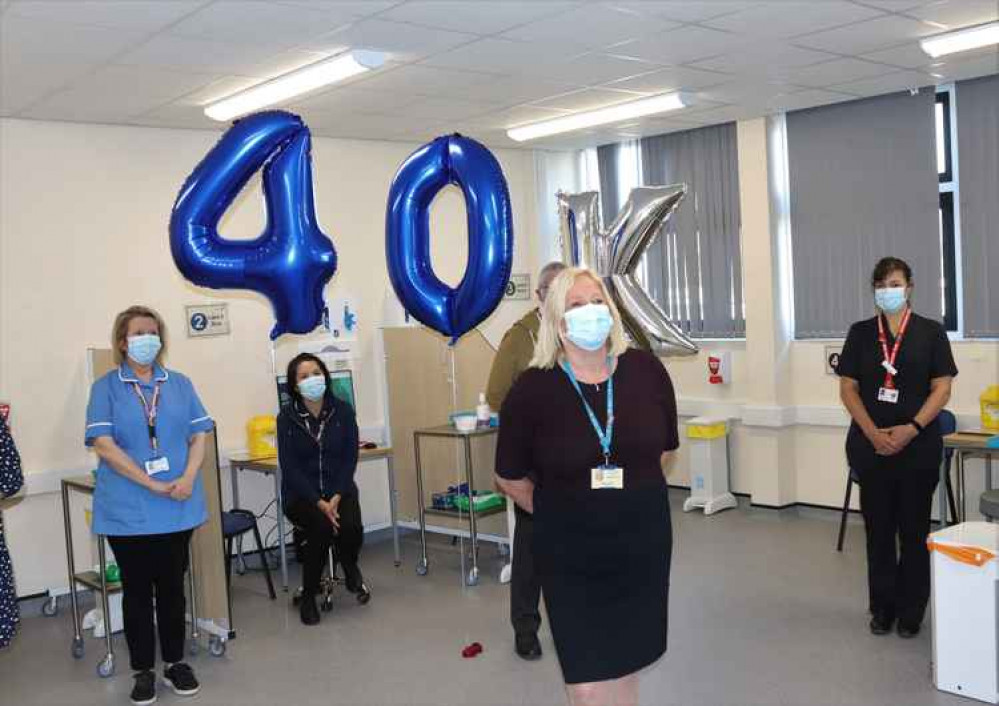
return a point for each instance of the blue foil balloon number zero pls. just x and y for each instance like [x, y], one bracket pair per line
[291, 262]
[458, 160]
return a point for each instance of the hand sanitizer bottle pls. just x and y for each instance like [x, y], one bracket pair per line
[482, 411]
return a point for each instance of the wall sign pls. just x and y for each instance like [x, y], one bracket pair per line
[207, 320]
[518, 288]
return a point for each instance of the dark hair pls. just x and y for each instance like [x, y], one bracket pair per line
[292, 384]
[886, 266]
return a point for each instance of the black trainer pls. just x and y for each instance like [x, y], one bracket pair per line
[144, 691]
[180, 678]
[881, 623]
[527, 646]
[907, 631]
[307, 609]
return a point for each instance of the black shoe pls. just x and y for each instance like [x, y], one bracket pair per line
[307, 609]
[881, 624]
[907, 631]
[353, 579]
[527, 646]
[180, 677]
[144, 691]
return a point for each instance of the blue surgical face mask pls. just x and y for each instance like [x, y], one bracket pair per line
[890, 300]
[588, 326]
[143, 349]
[313, 388]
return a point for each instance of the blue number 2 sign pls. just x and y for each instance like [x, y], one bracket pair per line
[292, 260]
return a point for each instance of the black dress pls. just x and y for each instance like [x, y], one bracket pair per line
[11, 480]
[603, 556]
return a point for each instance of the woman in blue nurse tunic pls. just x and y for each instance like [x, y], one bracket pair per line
[148, 427]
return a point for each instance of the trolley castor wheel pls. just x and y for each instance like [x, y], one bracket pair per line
[105, 668]
[327, 604]
[421, 567]
[193, 647]
[216, 645]
[50, 608]
[473, 577]
[78, 648]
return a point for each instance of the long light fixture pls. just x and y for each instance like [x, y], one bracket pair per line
[961, 40]
[602, 116]
[303, 80]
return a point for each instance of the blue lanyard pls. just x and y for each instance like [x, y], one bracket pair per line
[604, 435]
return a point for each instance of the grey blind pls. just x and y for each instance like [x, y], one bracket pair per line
[864, 185]
[607, 163]
[695, 265]
[977, 106]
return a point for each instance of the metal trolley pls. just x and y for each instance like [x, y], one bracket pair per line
[97, 581]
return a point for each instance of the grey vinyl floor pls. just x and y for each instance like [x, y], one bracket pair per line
[763, 611]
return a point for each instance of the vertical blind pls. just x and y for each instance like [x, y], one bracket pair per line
[694, 269]
[607, 166]
[977, 106]
[864, 185]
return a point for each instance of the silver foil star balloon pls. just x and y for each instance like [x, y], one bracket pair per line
[615, 254]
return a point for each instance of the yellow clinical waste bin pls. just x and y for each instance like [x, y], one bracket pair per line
[708, 441]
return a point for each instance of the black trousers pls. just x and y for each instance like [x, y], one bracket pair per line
[152, 572]
[320, 534]
[525, 587]
[896, 504]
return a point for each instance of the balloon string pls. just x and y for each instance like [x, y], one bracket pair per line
[461, 513]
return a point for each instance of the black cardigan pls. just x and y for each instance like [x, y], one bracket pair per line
[299, 452]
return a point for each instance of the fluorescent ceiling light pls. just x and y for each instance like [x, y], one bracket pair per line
[961, 40]
[303, 80]
[602, 116]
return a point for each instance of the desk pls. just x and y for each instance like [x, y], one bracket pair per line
[447, 431]
[964, 445]
[269, 466]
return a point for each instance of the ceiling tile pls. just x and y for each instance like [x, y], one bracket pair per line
[117, 92]
[685, 10]
[135, 15]
[775, 20]
[470, 16]
[775, 59]
[953, 14]
[595, 68]
[588, 99]
[222, 87]
[837, 71]
[590, 27]
[359, 8]
[512, 90]
[497, 55]
[519, 115]
[245, 21]
[165, 51]
[889, 83]
[892, 5]
[864, 37]
[681, 46]
[807, 99]
[904, 56]
[745, 92]
[402, 41]
[672, 78]
[352, 98]
[443, 109]
[416, 79]
[182, 116]
[959, 68]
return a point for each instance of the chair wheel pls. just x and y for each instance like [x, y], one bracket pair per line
[327, 604]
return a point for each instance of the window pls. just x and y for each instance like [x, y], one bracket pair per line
[948, 236]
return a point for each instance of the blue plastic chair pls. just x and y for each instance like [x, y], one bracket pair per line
[948, 425]
[234, 524]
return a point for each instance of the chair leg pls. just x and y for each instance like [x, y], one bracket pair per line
[228, 563]
[263, 561]
[846, 511]
[950, 500]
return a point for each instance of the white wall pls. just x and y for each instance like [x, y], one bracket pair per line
[83, 234]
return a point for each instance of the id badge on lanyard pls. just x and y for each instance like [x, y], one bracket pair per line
[606, 476]
[157, 463]
[888, 392]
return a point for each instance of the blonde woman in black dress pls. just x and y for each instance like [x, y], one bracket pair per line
[585, 437]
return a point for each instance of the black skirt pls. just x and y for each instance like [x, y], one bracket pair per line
[603, 557]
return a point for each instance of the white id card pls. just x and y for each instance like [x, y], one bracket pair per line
[887, 394]
[603, 477]
[157, 465]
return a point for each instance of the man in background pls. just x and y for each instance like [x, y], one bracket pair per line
[514, 356]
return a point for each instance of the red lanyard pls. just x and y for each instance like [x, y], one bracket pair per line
[889, 359]
[150, 410]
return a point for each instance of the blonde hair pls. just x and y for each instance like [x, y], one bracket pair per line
[549, 348]
[119, 332]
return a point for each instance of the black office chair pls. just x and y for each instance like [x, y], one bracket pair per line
[948, 425]
[236, 523]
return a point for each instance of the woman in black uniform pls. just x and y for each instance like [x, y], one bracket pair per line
[896, 371]
[594, 424]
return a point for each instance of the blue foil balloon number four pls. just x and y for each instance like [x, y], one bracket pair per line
[458, 160]
[291, 262]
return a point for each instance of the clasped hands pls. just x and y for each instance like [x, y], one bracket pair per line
[178, 489]
[331, 508]
[890, 441]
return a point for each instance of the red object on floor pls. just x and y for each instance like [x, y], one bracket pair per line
[473, 650]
